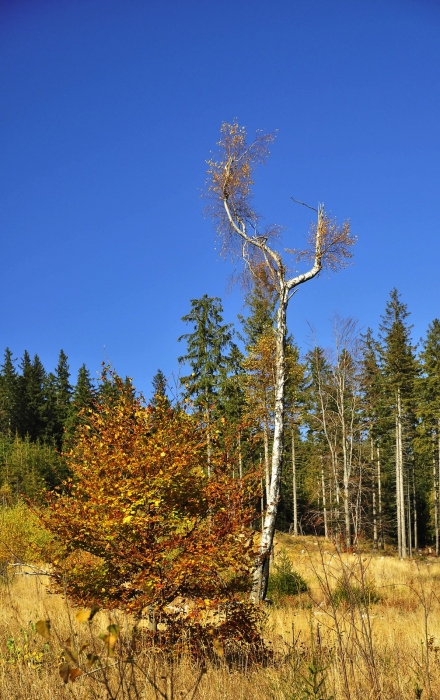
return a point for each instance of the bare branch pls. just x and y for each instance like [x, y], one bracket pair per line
[297, 201]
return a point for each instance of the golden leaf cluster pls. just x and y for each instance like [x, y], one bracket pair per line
[138, 521]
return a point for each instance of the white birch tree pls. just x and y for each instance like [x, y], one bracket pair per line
[229, 187]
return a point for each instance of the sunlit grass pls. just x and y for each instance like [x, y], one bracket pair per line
[384, 646]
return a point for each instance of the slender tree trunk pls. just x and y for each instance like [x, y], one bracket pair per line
[337, 500]
[402, 486]
[373, 490]
[357, 517]
[436, 484]
[324, 507]
[333, 503]
[408, 509]
[346, 461]
[416, 533]
[208, 435]
[240, 457]
[285, 289]
[346, 495]
[294, 490]
[400, 475]
[261, 573]
[398, 501]
[379, 499]
[331, 513]
[266, 458]
[438, 479]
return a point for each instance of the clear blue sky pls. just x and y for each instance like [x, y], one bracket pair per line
[109, 109]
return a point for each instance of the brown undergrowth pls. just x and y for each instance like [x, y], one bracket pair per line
[368, 627]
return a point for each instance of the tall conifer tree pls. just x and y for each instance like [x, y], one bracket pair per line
[32, 397]
[83, 398]
[400, 370]
[429, 412]
[9, 396]
[208, 357]
[159, 397]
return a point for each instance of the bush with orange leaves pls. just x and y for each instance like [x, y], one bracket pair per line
[139, 523]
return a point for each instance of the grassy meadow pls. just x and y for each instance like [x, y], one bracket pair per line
[367, 627]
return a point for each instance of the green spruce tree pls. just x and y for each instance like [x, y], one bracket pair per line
[208, 358]
[400, 370]
[429, 415]
[159, 397]
[32, 398]
[261, 305]
[63, 389]
[9, 396]
[83, 399]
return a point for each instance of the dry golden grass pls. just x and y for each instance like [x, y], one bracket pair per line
[379, 639]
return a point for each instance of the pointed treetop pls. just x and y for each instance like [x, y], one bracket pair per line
[159, 397]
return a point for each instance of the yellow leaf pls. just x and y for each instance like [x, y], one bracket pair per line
[43, 628]
[83, 615]
[71, 655]
[109, 641]
[127, 519]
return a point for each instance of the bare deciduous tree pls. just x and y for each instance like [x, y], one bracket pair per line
[229, 187]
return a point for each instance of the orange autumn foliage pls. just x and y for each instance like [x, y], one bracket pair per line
[139, 522]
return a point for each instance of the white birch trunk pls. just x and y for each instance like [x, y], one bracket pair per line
[294, 489]
[276, 267]
[266, 459]
[261, 574]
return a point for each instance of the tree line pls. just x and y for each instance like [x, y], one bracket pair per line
[39, 411]
[361, 457]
